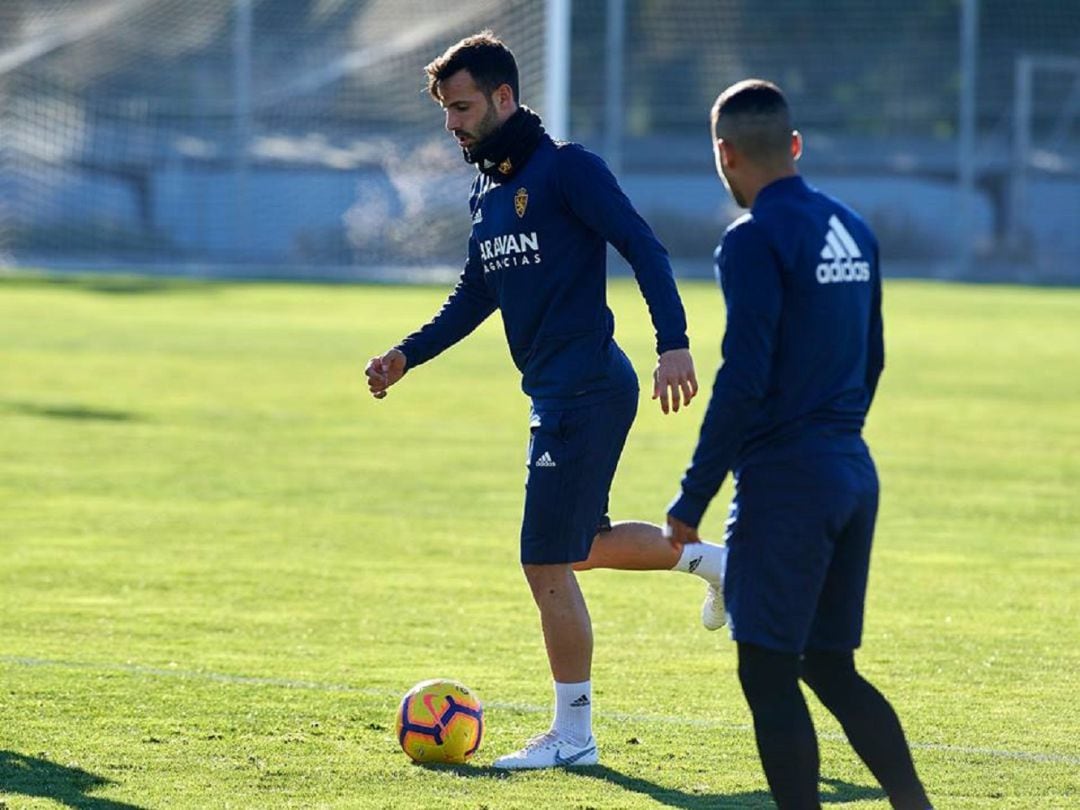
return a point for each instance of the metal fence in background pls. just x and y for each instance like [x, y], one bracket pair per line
[296, 137]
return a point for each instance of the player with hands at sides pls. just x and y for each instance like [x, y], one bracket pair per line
[803, 350]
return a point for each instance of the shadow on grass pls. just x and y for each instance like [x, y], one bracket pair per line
[466, 770]
[41, 779]
[836, 791]
[72, 412]
[106, 283]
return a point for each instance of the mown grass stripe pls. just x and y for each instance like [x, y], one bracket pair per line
[320, 686]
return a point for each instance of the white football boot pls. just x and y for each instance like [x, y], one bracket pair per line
[550, 750]
[712, 609]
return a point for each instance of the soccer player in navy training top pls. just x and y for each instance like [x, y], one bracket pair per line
[803, 351]
[542, 214]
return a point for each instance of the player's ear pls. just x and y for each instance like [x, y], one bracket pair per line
[796, 144]
[503, 96]
[728, 156]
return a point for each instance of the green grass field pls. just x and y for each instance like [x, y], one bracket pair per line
[223, 563]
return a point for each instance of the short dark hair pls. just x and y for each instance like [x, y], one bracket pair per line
[754, 116]
[488, 60]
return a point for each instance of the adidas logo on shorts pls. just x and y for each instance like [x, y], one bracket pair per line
[545, 460]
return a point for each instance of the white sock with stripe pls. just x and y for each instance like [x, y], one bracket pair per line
[706, 560]
[573, 711]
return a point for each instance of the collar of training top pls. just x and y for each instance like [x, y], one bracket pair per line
[505, 151]
[792, 184]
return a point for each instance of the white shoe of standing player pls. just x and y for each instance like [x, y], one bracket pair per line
[712, 609]
[550, 750]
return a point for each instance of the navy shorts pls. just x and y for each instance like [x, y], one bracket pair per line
[799, 535]
[571, 463]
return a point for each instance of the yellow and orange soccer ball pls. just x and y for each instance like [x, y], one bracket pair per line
[440, 721]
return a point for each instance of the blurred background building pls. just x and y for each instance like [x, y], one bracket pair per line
[295, 137]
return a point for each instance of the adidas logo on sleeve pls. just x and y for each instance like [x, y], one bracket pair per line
[843, 259]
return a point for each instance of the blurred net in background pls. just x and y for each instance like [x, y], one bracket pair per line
[270, 133]
[296, 136]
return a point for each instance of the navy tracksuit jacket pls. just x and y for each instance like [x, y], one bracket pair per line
[537, 253]
[803, 346]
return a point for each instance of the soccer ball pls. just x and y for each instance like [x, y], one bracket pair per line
[440, 721]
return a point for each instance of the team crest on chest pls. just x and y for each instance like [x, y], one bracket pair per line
[521, 200]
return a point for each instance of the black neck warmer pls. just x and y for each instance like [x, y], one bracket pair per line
[502, 153]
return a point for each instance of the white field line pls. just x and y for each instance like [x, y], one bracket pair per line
[319, 686]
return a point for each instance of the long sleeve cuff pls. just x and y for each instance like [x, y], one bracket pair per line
[412, 356]
[677, 342]
[688, 508]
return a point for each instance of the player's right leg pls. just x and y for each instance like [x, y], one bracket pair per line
[869, 721]
[569, 643]
[572, 459]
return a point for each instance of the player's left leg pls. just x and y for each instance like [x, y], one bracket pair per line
[633, 545]
[783, 729]
[779, 550]
[637, 546]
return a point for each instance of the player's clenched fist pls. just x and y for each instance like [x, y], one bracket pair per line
[384, 371]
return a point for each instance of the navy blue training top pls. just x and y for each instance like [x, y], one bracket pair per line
[537, 252]
[803, 346]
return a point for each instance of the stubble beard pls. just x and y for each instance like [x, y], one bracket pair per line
[484, 129]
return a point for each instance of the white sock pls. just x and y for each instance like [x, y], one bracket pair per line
[707, 560]
[573, 711]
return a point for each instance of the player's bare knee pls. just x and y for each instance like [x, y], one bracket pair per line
[545, 578]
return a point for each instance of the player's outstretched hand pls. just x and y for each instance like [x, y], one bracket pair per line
[674, 379]
[384, 371]
[678, 533]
